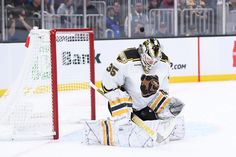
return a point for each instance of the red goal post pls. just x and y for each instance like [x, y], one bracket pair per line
[53, 39]
[52, 87]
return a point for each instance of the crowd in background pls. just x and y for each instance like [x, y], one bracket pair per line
[119, 22]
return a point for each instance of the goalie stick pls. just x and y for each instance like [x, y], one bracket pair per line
[139, 122]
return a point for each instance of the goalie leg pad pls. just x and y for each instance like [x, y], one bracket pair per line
[131, 135]
[171, 129]
[179, 130]
[107, 133]
[90, 132]
[165, 128]
[98, 132]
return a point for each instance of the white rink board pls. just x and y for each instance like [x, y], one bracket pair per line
[181, 51]
[11, 60]
[217, 55]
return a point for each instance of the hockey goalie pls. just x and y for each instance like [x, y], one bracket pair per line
[142, 112]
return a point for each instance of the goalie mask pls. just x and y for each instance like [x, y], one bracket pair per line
[150, 53]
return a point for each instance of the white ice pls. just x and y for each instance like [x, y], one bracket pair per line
[210, 115]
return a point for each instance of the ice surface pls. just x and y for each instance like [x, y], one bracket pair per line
[210, 115]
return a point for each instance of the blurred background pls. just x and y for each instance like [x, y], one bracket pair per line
[119, 18]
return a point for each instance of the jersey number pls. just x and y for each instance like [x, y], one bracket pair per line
[112, 69]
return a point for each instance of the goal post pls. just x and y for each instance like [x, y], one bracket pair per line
[52, 87]
[53, 46]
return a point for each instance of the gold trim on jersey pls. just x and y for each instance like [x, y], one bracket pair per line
[164, 60]
[105, 90]
[160, 103]
[107, 132]
[130, 54]
[120, 100]
[122, 58]
[120, 112]
[163, 92]
[156, 102]
[163, 105]
[120, 106]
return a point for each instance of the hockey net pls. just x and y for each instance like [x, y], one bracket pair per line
[52, 86]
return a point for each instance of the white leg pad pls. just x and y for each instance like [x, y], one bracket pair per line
[133, 136]
[91, 133]
[106, 133]
[130, 135]
[179, 130]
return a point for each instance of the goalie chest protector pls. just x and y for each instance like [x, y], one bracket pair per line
[132, 72]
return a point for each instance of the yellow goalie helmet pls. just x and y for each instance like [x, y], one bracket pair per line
[150, 53]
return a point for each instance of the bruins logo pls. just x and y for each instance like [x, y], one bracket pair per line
[149, 85]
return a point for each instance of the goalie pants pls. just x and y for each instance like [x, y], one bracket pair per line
[146, 114]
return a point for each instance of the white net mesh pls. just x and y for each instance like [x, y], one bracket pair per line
[26, 109]
[73, 75]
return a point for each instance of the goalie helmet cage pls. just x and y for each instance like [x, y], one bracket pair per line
[57, 60]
